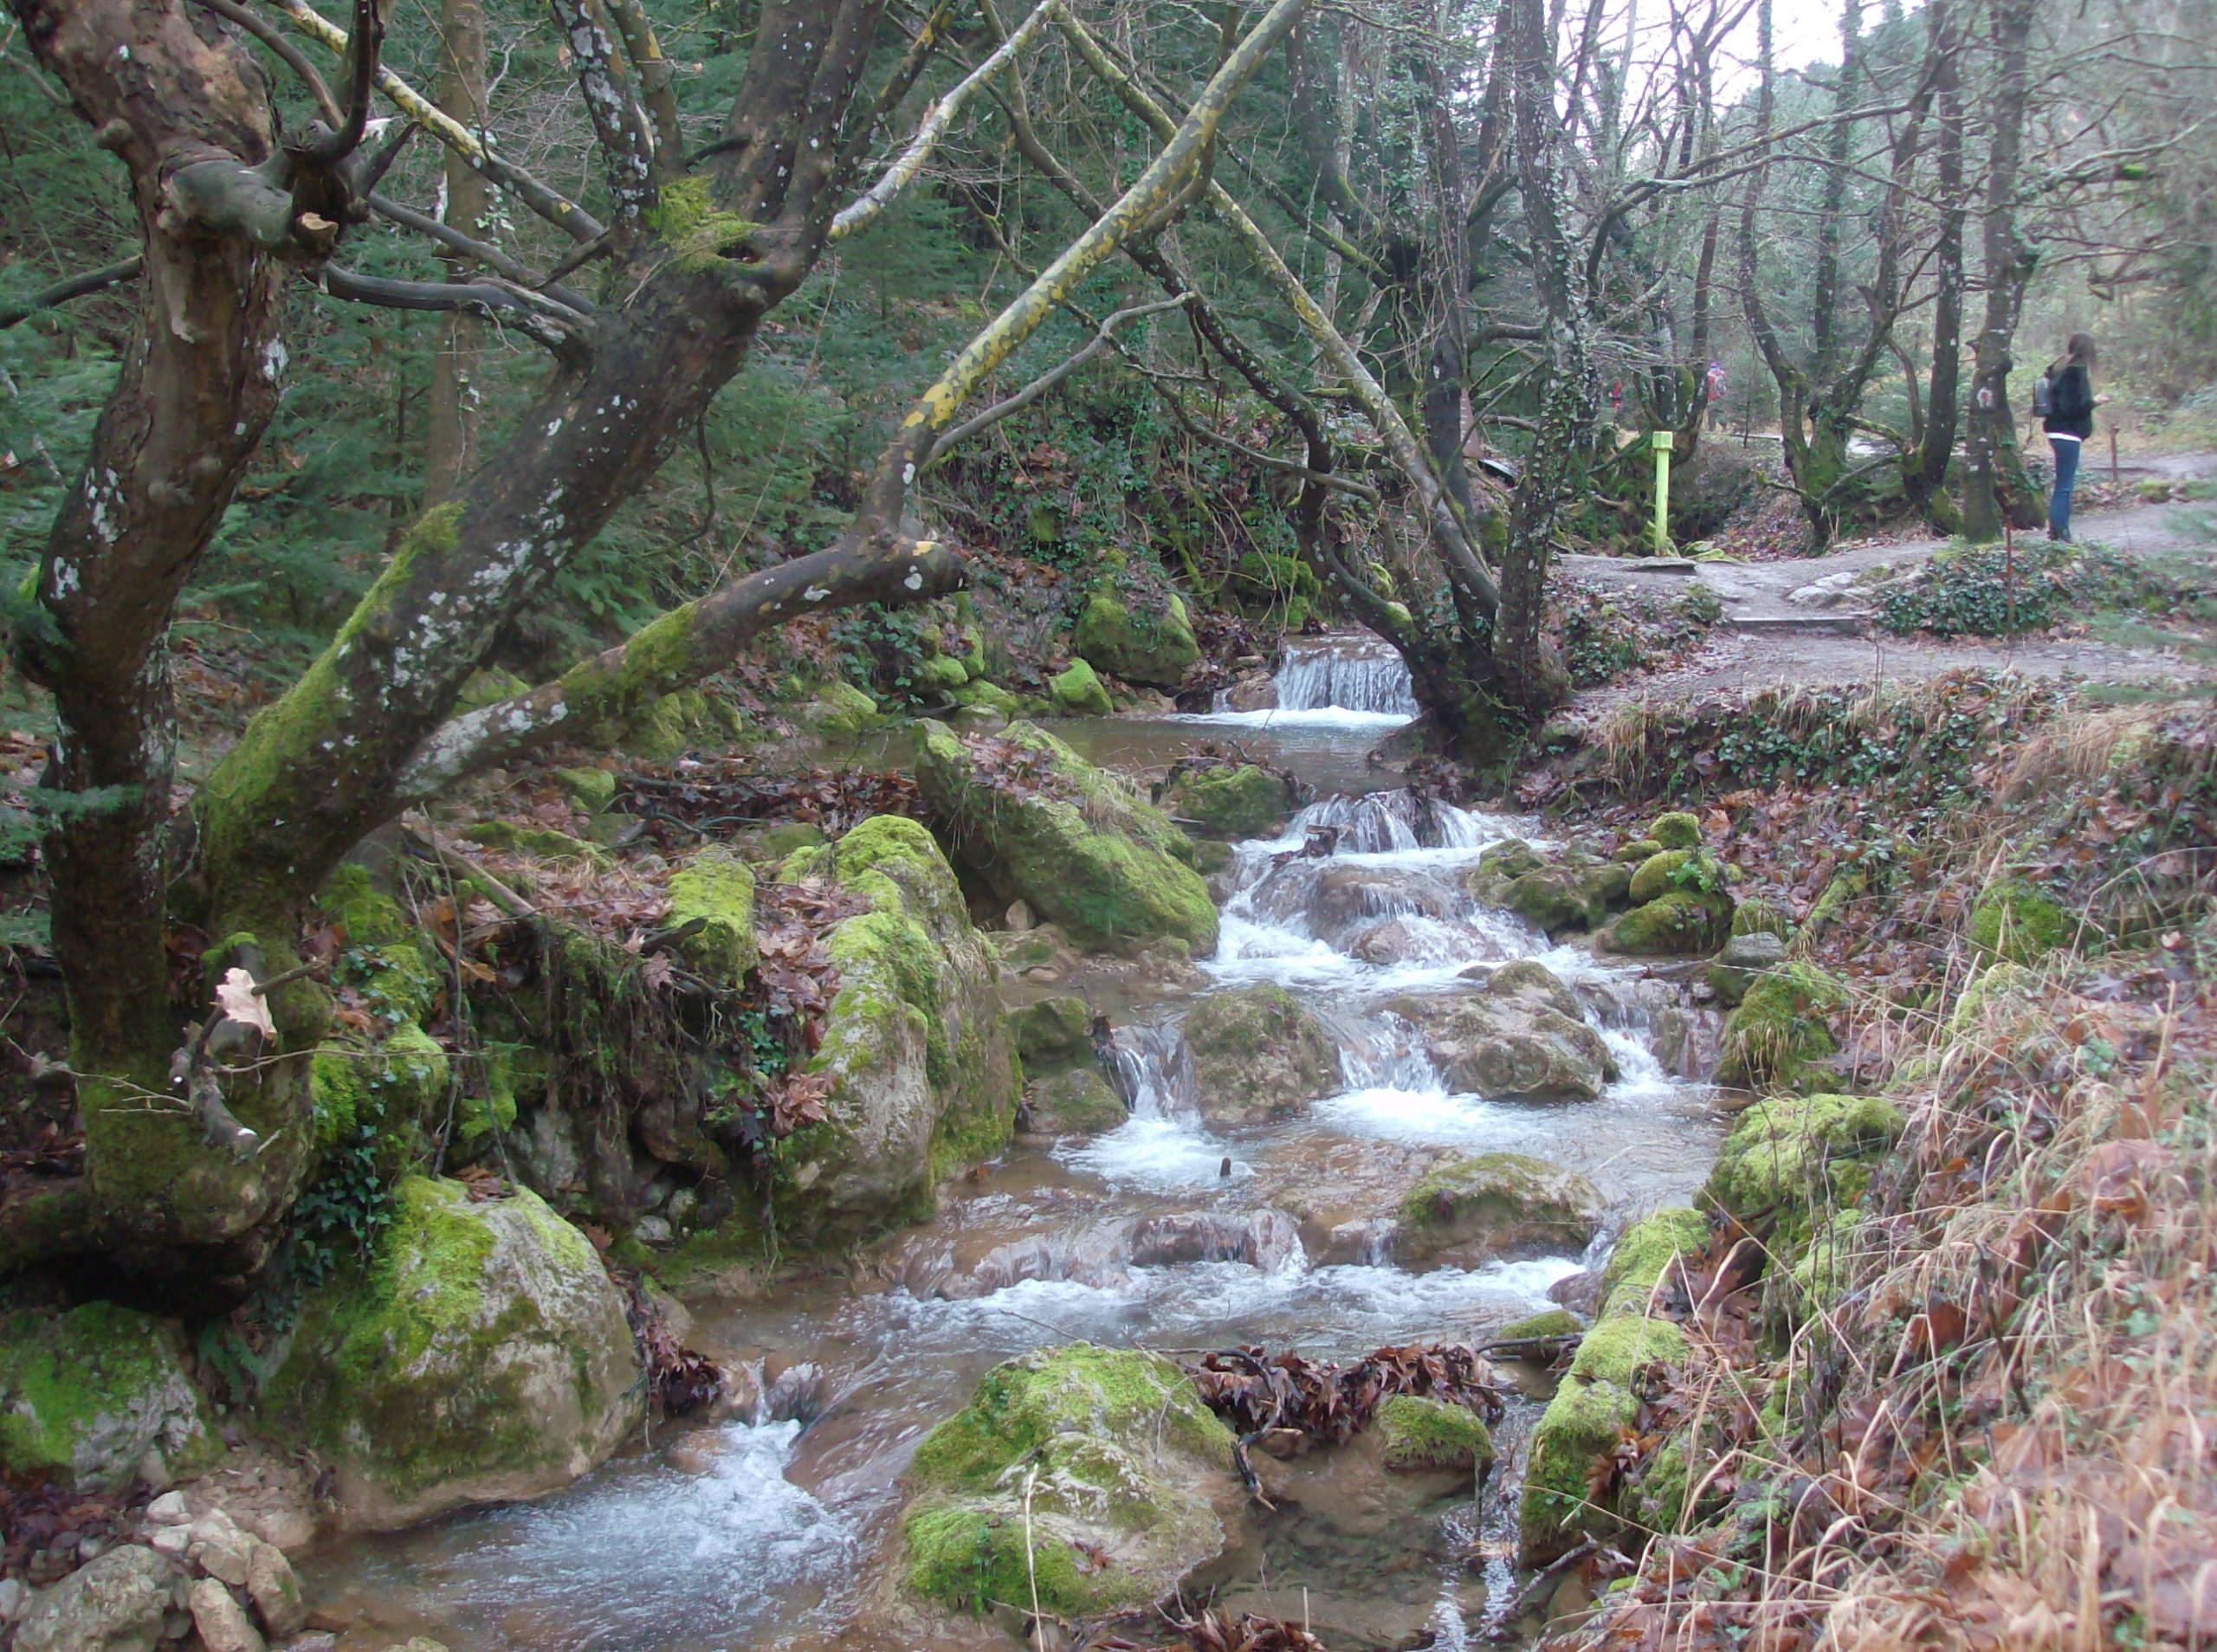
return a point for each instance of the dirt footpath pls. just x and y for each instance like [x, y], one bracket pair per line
[1806, 621]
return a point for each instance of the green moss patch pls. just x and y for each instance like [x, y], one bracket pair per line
[1428, 1433]
[1780, 1027]
[87, 1396]
[2016, 923]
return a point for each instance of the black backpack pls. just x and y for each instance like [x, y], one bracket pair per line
[2044, 397]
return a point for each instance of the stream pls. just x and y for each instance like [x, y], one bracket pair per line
[770, 1530]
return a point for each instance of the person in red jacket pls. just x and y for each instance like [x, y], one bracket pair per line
[2069, 423]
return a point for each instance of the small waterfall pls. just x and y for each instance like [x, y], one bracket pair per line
[1387, 822]
[1344, 674]
[1147, 1067]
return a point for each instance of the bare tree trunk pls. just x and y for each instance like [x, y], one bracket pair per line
[1994, 483]
[451, 439]
[1925, 475]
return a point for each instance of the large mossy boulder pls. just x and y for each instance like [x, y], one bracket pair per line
[1072, 1101]
[1231, 802]
[480, 1355]
[1139, 644]
[1073, 844]
[1780, 1029]
[121, 1601]
[91, 1397]
[923, 1069]
[1520, 1035]
[838, 711]
[1595, 1402]
[1259, 1054]
[1473, 1209]
[1792, 1161]
[1126, 1467]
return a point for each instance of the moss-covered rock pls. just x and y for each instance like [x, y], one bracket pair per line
[480, 1355]
[980, 695]
[1682, 921]
[1083, 852]
[1555, 1322]
[592, 789]
[938, 674]
[88, 1396]
[1499, 866]
[1756, 916]
[716, 887]
[1231, 802]
[1520, 1035]
[924, 1073]
[1640, 849]
[1744, 958]
[1053, 1032]
[1652, 877]
[1677, 830]
[1136, 644]
[1643, 1251]
[839, 710]
[1259, 1054]
[1073, 1101]
[2015, 922]
[1791, 1161]
[1572, 894]
[1427, 1434]
[1780, 1029]
[1473, 1209]
[1079, 692]
[1124, 1463]
[541, 843]
[1595, 1401]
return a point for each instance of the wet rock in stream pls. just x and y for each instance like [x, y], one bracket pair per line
[1521, 1034]
[1494, 1204]
[1259, 1054]
[1096, 1475]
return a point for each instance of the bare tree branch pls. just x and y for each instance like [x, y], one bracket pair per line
[1093, 349]
[71, 287]
[932, 127]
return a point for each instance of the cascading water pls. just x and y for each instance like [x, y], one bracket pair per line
[1334, 679]
[1164, 1231]
[1337, 673]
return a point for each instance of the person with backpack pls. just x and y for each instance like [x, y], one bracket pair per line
[2062, 400]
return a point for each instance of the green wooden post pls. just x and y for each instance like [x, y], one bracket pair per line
[1660, 440]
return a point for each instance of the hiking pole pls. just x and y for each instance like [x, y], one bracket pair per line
[2009, 573]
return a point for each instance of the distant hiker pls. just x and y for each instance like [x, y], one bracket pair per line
[1716, 395]
[1617, 399]
[2065, 400]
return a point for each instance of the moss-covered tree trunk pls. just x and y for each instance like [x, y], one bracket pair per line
[1995, 487]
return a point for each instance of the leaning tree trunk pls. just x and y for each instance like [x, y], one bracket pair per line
[1995, 487]
[181, 105]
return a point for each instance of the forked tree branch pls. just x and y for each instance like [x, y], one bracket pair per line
[1102, 341]
[541, 198]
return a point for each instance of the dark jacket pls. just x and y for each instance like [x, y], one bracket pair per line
[2073, 403]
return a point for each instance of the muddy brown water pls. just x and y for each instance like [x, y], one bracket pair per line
[773, 1531]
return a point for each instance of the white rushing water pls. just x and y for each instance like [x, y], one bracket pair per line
[1338, 681]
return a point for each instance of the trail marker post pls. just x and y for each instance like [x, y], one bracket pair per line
[1660, 440]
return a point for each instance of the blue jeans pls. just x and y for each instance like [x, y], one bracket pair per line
[2066, 477]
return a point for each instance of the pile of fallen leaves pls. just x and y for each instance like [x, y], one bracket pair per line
[694, 800]
[43, 1525]
[796, 981]
[1258, 1394]
[681, 1379]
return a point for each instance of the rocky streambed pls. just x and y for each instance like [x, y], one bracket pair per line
[1360, 1097]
